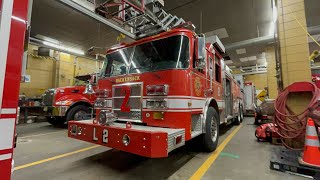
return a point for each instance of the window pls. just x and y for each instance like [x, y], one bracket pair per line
[211, 66]
[118, 63]
[168, 53]
[217, 69]
[162, 54]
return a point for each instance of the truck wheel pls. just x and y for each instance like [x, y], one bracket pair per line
[211, 136]
[241, 113]
[56, 121]
[239, 118]
[258, 116]
[78, 113]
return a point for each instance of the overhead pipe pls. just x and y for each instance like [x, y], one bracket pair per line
[314, 30]
[250, 42]
[264, 40]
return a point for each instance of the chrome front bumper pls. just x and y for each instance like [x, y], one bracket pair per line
[56, 110]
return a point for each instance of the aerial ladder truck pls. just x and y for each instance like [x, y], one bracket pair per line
[167, 87]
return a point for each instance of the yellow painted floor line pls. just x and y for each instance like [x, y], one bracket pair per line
[55, 157]
[206, 165]
[35, 135]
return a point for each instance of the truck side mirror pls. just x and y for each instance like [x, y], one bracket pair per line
[200, 49]
[200, 64]
[89, 89]
[94, 79]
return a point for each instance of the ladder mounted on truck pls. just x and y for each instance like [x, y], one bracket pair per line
[141, 17]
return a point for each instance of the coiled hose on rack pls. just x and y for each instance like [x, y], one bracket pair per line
[292, 126]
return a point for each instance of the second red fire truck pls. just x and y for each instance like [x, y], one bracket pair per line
[156, 93]
[69, 103]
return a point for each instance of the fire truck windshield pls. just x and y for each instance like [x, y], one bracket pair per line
[167, 53]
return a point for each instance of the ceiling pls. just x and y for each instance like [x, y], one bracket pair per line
[71, 28]
[313, 19]
[241, 20]
[312, 12]
[232, 20]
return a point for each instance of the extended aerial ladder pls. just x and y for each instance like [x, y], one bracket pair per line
[142, 18]
[133, 18]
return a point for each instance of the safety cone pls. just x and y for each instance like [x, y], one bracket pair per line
[311, 154]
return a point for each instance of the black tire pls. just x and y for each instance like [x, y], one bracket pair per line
[56, 121]
[239, 118]
[241, 113]
[210, 143]
[77, 109]
[258, 116]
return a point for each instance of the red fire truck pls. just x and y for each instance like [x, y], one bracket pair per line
[69, 103]
[158, 92]
[13, 24]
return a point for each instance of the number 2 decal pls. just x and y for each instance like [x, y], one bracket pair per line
[125, 91]
[105, 136]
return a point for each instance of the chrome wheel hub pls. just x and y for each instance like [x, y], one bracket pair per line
[80, 115]
[214, 129]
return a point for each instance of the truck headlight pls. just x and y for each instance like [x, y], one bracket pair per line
[158, 89]
[126, 140]
[106, 117]
[156, 104]
[64, 103]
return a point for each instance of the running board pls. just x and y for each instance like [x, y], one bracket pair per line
[195, 134]
[229, 119]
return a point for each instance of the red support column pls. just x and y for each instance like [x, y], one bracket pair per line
[13, 23]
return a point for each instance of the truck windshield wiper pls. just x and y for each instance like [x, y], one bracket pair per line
[141, 67]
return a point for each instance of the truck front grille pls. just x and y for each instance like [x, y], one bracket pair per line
[47, 97]
[135, 102]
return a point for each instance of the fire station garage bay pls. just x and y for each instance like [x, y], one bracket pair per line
[159, 89]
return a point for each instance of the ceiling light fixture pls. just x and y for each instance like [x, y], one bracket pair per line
[241, 51]
[274, 11]
[228, 62]
[245, 59]
[64, 48]
[274, 18]
[252, 58]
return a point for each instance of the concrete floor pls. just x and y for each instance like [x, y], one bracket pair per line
[242, 159]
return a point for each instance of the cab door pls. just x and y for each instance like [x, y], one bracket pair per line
[206, 75]
[199, 81]
[228, 97]
[217, 86]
